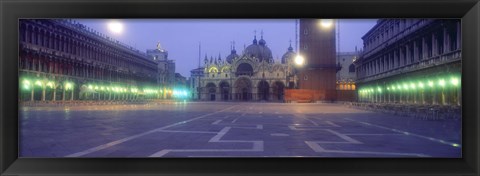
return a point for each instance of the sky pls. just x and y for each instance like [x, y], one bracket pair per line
[182, 37]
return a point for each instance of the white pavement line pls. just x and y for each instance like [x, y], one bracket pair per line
[216, 122]
[160, 153]
[220, 134]
[113, 143]
[331, 123]
[174, 131]
[304, 117]
[235, 120]
[409, 134]
[367, 134]
[317, 148]
[279, 134]
[257, 145]
[306, 127]
[344, 137]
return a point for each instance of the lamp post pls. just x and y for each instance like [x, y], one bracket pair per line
[299, 63]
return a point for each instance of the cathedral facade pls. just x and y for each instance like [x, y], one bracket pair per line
[251, 76]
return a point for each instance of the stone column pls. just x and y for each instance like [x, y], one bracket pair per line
[73, 90]
[434, 45]
[407, 54]
[415, 51]
[424, 48]
[43, 92]
[446, 40]
[54, 92]
[32, 94]
[63, 93]
[459, 34]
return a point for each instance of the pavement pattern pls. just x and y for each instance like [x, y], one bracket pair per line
[231, 129]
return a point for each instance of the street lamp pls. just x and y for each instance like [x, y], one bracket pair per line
[299, 60]
[326, 23]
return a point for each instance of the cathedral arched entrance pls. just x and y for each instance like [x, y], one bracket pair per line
[244, 69]
[263, 90]
[224, 90]
[243, 89]
[211, 90]
[278, 89]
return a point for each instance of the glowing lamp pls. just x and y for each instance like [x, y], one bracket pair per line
[326, 23]
[454, 81]
[420, 85]
[441, 83]
[299, 60]
[430, 83]
[412, 86]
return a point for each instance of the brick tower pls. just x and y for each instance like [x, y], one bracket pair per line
[317, 46]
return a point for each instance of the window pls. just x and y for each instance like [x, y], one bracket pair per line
[351, 68]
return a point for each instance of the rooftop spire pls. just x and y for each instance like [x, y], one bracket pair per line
[255, 37]
[290, 47]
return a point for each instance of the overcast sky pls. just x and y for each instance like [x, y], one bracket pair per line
[181, 37]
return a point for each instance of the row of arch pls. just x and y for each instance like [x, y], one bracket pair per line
[40, 63]
[75, 42]
[244, 90]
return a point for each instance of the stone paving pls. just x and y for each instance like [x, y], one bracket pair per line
[228, 129]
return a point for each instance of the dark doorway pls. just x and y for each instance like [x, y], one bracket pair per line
[278, 91]
[225, 91]
[211, 90]
[245, 94]
[243, 88]
[263, 90]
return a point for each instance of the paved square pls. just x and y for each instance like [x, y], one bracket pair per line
[228, 129]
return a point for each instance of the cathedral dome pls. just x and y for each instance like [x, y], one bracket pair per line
[232, 56]
[262, 42]
[288, 55]
[261, 52]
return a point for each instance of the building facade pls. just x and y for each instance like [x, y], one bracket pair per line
[346, 75]
[63, 60]
[196, 76]
[411, 61]
[166, 67]
[317, 46]
[251, 76]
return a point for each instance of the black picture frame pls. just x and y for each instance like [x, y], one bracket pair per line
[11, 11]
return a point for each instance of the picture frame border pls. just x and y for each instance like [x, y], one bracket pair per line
[11, 11]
